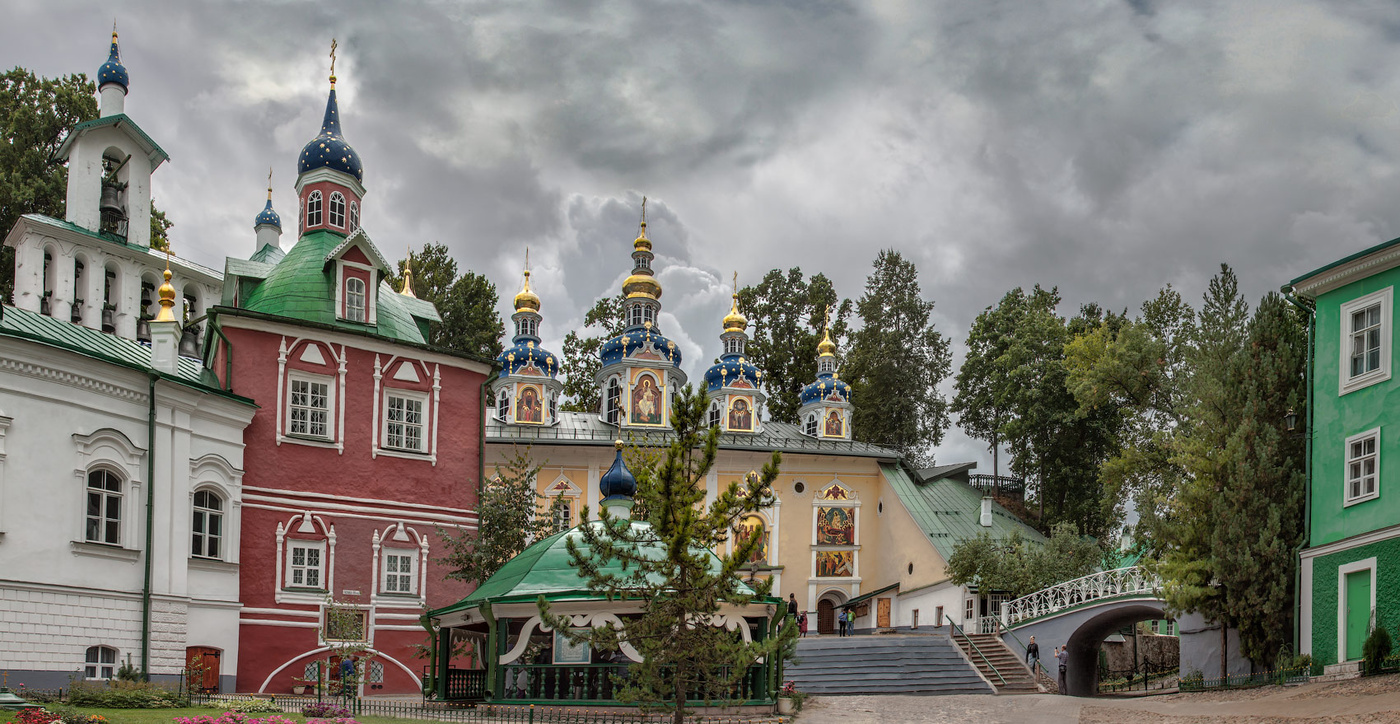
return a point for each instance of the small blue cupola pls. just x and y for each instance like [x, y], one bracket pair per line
[732, 383]
[113, 71]
[826, 402]
[617, 486]
[528, 388]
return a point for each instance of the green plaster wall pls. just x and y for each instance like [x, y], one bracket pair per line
[1324, 593]
[1337, 418]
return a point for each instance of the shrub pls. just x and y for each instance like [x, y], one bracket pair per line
[69, 715]
[325, 710]
[124, 695]
[337, 720]
[1375, 650]
[255, 706]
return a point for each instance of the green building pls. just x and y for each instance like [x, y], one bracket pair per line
[1350, 564]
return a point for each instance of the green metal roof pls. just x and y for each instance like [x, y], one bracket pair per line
[120, 120]
[950, 512]
[545, 569]
[46, 330]
[302, 287]
[862, 598]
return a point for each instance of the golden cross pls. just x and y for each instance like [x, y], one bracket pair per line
[269, 183]
[644, 209]
[826, 318]
[333, 47]
[736, 283]
[527, 260]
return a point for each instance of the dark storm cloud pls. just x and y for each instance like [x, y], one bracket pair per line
[1107, 148]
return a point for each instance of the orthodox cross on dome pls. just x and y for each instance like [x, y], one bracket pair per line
[826, 318]
[269, 183]
[333, 47]
[644, 211]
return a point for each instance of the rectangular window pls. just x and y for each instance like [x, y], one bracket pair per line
[970, 608]
[564, 514]
[1363, 466]
[309, 408]
[403, 422]
[398, 573]
[104, 508]
[305, 564]
[1366, 340]
[344, 623]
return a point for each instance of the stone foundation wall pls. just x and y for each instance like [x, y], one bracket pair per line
[49, 630]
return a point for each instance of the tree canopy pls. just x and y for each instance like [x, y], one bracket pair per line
[581, 362]
[467, 302]
[787, 313]
[1018, 565]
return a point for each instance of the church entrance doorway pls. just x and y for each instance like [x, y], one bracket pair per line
[826, 618]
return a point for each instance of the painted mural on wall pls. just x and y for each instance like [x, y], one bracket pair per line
[749, 527]
[835, 527]
[834, 492]
[646, 401]
[833, 424]
[835, 564]
[529, 409]
[740, 414]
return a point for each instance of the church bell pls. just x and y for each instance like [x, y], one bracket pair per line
[111, 205]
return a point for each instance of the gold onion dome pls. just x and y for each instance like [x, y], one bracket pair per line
[826, 347]
[734, 321]
[167, 300]
[641, 285]
[642, 242]
[527, 300]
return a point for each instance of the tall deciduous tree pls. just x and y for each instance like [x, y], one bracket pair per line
[467, 303]
[1018, 565]
[787, 313]
[511, 515]
[896, 362]
[581, 362]
[667, 568]
[36, 114]
[980, 401]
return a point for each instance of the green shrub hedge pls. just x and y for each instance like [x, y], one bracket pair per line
[125, 695]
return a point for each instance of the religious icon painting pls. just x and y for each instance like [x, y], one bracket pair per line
[835, 492]
[835, 527]
[749, 527]
[647, 404]
[834, 425]
[741, 414]
[835, 564]
[529, 407]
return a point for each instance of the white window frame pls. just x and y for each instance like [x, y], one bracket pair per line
[634, 316]
[337, 210]
[970, 608]
[1384, 298]
[358, 313]
[733, 345]
[812, 425]
[612, 401]
[564, 515]
[503, 405]
[715, 415]
[291, 569]
[209, 514]
[354, 217]
[313, 206]
[422, 424]
[106, 507]
[100, 670]
[528, 328]
[398, 555]
[295, 376]
[1347, 460]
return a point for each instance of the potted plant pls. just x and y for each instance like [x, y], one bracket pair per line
[789, 700]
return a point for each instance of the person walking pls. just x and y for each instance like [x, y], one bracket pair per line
[1033, 655]
[792, 605]
[802, 625]
[1062, 656]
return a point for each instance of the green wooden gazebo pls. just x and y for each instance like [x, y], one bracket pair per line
[527, 662]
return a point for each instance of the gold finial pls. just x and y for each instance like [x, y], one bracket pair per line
[333, 47]
[826, 348]
[167, 295]
[526, 300]
[407, 290]
[644, 204]
[734, 321]
[114, 30]
[617, 444]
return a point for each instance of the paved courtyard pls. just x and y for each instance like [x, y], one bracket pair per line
[1363, 700]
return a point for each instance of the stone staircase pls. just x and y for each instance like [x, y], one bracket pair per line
[996, 659]
[889, 664]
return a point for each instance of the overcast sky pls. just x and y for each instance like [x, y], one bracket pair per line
[1108, 148]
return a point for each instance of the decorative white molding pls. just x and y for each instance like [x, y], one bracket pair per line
[70, 379]
[1365, 564]
[1350, 272]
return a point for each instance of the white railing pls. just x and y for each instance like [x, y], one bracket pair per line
[989, 625]
[1104, 584]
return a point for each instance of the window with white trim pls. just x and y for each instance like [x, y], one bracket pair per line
[306, 564]
[354, 217]
[634, 315]
[1366, 340]
[528, 328]
[809, 426]
[612, 403]
[207, 525]
[100, 663]
[970, 608]
[733, 345]
[104, 508]
[396, 574]
[403, 421]
[309, 404]
[313, 209]
[354, 299]
[337, 209]
[1363, 467]
[564, 513]
[715, 414]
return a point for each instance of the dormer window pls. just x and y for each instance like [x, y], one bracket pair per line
[354, 217]
[313, 209]
[354, 299]
[338, 210]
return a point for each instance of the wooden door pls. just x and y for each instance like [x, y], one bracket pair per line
[882, 613]
[826, 617]
[203, 662]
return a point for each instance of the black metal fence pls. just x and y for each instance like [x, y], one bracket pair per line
[1295, 675]
[488, 713]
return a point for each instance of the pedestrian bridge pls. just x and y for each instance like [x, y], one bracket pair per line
[1079, 614]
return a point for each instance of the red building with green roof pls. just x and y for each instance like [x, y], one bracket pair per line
[366, 440]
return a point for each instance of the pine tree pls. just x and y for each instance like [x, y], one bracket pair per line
[896, 362]
[467, 303]
[667, 568]
[787, 314]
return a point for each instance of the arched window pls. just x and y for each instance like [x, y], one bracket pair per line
[553, 407]
[354, 299]
[733, 345]
[207, 525]
[104, 508]
[634, 315]
[313, 209]
[101, 663]
[354, 217]
[528, 328]
[338, 210]
[714, 413]
[612, 410]
[503, 406]
[648, 314]
[809, 426]
[643, 263]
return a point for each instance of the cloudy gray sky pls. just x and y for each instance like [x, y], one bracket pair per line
[1105, 147]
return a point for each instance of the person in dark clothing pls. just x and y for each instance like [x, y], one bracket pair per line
[1062, 656]
[1033, 654]
[792, 605]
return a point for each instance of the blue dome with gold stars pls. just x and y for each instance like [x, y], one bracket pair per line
[617, 482]
[525, 355]
[113, 71]
[329, 149]
[826, 386]
[268, 216]
[644, 342]
[730, 369]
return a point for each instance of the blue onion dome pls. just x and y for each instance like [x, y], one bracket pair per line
[827, 386]
[617, 482]
[268, 216]
[329, 149]
[643, 342]
[730, 369]
[113, 71]
[526, 357]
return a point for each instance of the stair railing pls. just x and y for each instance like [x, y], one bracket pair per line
[1000, 630]
[957, 631]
